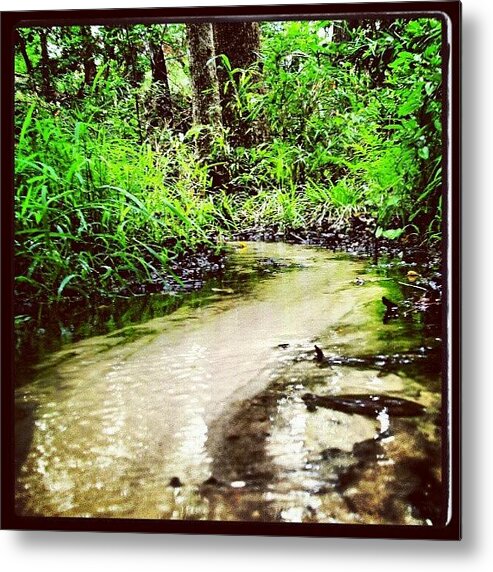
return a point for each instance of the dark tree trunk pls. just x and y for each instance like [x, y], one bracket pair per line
[134, 74]
[88, 55]
[160, 78]
[88, 61]
[45, 67]
[240, 43]
[110, 37]
[205, 95]
[21, 42]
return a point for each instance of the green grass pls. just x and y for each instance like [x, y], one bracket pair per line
[93, 211]
[106, 196]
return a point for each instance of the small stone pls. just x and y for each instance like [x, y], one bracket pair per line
[212, 481]
[368, 449]
[330, 453]
[175, 483]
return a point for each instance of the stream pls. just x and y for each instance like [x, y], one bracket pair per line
[219, 410]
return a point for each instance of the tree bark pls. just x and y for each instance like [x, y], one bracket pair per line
[21, 42]
[45, 66]
[205, 94]
[240, 43]
[134, 75]
[160, 78]
[88, 55]
[206, 109]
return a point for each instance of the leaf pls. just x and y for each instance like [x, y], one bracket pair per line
[102, 68]
[31, 282]
[225, 61]
[27, 123]
[392, 201]
[429, 87]
[64, 282]
[223, 290]
[393, 233]
[409, 106]
[80, 131]
[129, 195]
[424, 152]
[412, 276]
[21, 318]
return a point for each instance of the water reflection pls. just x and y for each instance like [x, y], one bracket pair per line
[199, 414]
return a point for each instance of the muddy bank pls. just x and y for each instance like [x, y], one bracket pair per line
[414, 265]
[355, 236]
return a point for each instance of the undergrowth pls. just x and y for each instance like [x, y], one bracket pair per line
[107, 193]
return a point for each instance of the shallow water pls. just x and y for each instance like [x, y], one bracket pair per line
[199, 414]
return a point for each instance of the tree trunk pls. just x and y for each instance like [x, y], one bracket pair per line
[240, 43]
[134, 75]
[88, 55]
[160, 79]
[21, 42]
[205, 95]
[46, 86]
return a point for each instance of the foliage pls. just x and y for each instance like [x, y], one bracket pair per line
[94, 211]
[110, 189]
[370, 133]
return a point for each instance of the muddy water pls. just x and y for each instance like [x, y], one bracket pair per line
[199, 414]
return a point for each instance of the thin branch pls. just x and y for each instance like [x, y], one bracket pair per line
[413, 286]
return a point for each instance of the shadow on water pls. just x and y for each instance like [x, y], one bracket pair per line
[284, 457]
[48, 328]
[201, 411]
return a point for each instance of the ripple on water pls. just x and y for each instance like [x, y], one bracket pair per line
[216, 390]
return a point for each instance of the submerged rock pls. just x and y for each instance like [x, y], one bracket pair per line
[368, 450]
[213, 482]
[378, 360]
[331, 453]
[364, 404]
[175, 483]
[389, 305]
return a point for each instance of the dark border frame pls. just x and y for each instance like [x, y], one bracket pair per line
[450, 13]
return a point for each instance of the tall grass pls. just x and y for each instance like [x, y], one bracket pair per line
[95, 211]
[107, 197]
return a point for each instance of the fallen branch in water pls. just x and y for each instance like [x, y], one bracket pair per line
[413, 286]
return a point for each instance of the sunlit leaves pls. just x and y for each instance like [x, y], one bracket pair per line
[105, 193]
[94, 212]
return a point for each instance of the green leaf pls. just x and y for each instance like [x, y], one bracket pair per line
[393, 233]
[64, 282]
[414, 101]
[27, 123]
[22, 318]
[31, 282]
